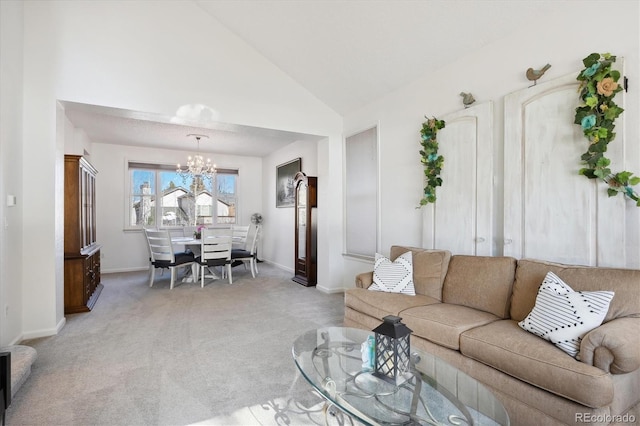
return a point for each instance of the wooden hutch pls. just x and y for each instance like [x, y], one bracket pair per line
[82, 285]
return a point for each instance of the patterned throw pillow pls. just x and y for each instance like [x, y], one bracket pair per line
[394, 277]
[563, 316]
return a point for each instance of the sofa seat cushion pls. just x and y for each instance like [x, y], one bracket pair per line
[505, 346]
[443, 323]
[378, 304]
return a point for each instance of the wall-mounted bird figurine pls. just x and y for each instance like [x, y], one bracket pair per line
[534, 75]
[467, 99]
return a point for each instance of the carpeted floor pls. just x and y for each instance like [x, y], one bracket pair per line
[153, 356]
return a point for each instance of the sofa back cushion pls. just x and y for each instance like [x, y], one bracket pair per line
[623, 282]
[480, 282]
[429, 268]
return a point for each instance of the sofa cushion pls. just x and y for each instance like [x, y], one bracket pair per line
[623, 282]
[429, 269]
[508, 348]
[394, 277]
[562, 316]
[378, 304]
[442, 323]
[355, 319]
[480, 282]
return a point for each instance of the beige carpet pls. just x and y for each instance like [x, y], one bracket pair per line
[154, 356]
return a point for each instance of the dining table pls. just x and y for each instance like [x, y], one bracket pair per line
[194, 245]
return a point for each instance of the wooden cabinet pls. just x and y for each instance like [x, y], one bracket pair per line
[81, 251]
[306, 225]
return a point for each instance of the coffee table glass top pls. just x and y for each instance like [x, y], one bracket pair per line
[435, 393]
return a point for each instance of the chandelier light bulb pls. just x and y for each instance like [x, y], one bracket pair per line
[196, 165]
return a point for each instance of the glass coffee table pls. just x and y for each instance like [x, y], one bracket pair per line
[435, 394]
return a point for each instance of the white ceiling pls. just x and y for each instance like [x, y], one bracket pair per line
[351, 52]
[345, 52]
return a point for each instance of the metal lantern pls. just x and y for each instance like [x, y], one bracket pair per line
[392, 350]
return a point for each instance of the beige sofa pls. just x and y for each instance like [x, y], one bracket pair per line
[466, 311]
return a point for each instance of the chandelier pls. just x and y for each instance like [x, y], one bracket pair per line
[197, 166]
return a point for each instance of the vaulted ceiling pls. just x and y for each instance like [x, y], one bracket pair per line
[345, 52]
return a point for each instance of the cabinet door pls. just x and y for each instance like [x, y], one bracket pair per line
[461, 218]
[551, 212]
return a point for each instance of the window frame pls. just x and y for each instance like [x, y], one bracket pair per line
[375, 201]
[156, 193]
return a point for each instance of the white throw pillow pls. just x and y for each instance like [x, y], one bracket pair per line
[394, 277]
[563, 316]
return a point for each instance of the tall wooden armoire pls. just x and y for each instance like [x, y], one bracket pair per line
[305, 262]
[81, 251]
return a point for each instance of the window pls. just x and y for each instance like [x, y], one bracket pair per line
[160, 197]
[361, 193]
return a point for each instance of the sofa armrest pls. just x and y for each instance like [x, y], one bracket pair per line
[364, 280]
[613, 347]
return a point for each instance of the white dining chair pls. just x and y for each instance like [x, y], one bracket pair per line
[240, 233]
[215, 250]
[248, 253]
[163, 255]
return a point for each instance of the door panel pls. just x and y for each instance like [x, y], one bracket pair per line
[550, 211]
[461, 218]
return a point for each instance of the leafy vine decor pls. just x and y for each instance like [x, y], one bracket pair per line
[596, 116]
[430, 159]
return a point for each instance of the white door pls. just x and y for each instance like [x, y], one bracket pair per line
[550, 211]
[460, 220]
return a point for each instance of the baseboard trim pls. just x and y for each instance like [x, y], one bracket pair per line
[330, 290]
[40, 333]
[61, 324]
[279, 266]
[17, 340]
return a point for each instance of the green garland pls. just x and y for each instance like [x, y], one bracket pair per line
[430, 159]
[596, 116]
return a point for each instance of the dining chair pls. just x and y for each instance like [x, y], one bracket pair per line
[240, 233]
[248, 253]
[215, 250]
[163, 256]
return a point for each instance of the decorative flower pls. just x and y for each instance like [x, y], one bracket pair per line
[591, 101]
[589, 72]
[596, 116]
[198, 232]
[606, 86]
[430, 159]
[588, 121]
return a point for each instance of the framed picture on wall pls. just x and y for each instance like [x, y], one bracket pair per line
[285, 189]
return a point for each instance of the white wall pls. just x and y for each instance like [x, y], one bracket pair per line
[563, 40]
[124, 250]
[278, 223]
[323, 160]
[140, 56]
[11, 52]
